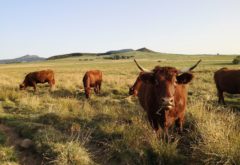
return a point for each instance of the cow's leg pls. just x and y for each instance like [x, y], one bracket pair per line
[87, 92]
[99, 87]
[179, 124]
[166, 135]
[53, 81]
[221, 97]
[96, 89]
[51, 84]
[34, 87]
[154, 125]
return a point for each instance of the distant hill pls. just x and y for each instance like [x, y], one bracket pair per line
[70, 55]
[112, 52]
[145, 50]
[88, 54]
[26, 58]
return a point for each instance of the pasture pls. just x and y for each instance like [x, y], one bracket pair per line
[112, 128]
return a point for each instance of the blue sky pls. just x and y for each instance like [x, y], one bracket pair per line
[51, 27]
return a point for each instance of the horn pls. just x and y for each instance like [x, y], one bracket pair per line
[141, 68]
[190, 68]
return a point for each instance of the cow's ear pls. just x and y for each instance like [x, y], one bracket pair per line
[147, 77]
[184, 78]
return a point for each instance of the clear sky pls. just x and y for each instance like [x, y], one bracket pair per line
[51, 27]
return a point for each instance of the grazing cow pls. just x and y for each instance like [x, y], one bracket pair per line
[92, 79]
[163, 95]
[134, 89]
[227, 80]
[33, 78]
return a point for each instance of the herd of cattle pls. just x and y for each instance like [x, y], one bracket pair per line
[162, 92]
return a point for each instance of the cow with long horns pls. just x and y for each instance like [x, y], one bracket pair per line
[227, 80]
[133, 90]
[162, 93]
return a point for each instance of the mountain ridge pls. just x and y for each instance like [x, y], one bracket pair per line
[33, 58]
[22, 59]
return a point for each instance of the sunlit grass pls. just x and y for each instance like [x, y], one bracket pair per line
[111, 128]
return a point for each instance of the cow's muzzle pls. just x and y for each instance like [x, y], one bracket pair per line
[166, 103]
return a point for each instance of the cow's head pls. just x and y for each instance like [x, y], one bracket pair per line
[133, 90]
[164, 81]
[87, 92]
[22, 86]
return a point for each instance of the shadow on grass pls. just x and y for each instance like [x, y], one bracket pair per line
[62, 93]
[101, 139]
[64, 124]
[188, 138]
[114, 93]
[65, 93]
[232, 102]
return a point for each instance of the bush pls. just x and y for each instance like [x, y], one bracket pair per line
[236, 60]
[118, 57]
[71, 153]
[86, 59]
[2, 138]
[60, 150]
[7, 155]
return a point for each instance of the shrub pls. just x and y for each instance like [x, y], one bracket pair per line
[7, 155]
[236, 60]
[2, 138]
[58, 149]
[118, 57]
[71, 153]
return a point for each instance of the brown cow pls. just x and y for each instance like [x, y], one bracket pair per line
[163, 95]
[92, 79]
[43, 76]
[227, 80]
[134, 89]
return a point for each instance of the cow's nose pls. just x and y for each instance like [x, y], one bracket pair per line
[167, 100]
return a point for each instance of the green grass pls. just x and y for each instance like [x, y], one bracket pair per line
[7, 153]
[111, 128]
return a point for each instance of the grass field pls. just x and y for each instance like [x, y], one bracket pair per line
[112, 128]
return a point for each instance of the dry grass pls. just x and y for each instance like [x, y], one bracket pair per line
[110, 129]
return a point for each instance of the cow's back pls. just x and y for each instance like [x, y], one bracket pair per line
[92, 77]
[44, 76]
[40, 76]
[228, 80]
